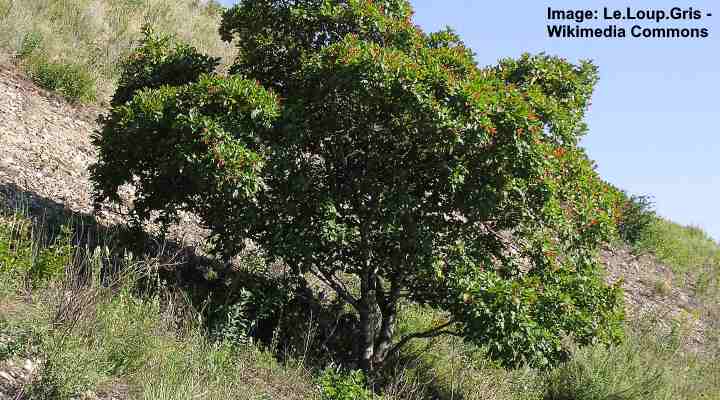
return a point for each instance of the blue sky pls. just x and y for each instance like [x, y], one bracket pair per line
[654, 116]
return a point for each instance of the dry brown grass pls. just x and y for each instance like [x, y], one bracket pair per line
[95, 34]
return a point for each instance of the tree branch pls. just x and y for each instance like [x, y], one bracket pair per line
[436, 331]
[339, 288]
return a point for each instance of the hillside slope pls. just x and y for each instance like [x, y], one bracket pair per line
[47, 151]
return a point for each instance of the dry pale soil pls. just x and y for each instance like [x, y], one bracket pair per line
[45, 151]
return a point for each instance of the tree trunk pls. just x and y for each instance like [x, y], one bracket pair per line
[367, 339]
[368, 310]
[384, 338]
[377, 331]
[368, 305]
[387, 300]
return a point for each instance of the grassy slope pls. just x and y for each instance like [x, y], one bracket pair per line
[688, 250]
[108, 333]
[91, 36]
[74, 46]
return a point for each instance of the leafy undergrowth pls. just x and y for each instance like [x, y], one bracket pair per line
[74, 47]
[96, 324]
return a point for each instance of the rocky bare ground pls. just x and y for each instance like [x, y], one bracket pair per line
[45, 144]
[45, 152]
[15, 376]
[650, 290]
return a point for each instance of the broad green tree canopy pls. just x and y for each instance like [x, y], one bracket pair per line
[354, 146]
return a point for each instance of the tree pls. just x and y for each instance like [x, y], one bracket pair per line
[382, 160]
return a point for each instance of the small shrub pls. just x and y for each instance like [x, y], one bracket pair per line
[16, 341]
[252, 313]
[214, 8]
[336, 384]
[637, 218]
[239, 325]
[633, 214]
[663, 287]
[9, 348]
[69, 80]
[15, 252]
[51, 261]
